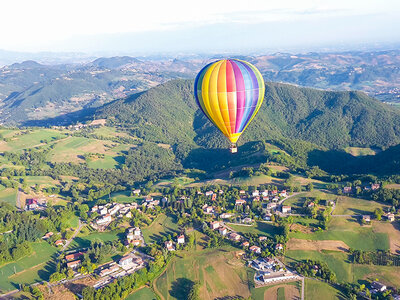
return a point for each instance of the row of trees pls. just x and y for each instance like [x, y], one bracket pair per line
[381, 258]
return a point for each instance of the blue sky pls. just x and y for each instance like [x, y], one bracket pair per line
[195, 26]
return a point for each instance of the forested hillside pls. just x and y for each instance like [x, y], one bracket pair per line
[168, 114]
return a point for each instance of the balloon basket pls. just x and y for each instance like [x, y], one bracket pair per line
[233, 148]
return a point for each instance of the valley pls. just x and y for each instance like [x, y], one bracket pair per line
[147, 180]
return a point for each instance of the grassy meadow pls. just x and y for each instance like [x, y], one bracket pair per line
[219, 272]
[350, 232]
[29, 269]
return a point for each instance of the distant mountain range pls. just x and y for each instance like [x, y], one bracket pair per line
[33, 91]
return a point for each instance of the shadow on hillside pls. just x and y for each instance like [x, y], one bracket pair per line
[217, 159]
[180, 288]
[333, 161]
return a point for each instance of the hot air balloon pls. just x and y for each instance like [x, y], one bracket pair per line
[229, 92]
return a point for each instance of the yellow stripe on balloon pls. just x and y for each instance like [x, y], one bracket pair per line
[213, 99]
[222, 97]
[205, 93]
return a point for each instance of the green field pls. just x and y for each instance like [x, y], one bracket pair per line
[350, 232]
[33, 268]
[281, 293]
[108, 162]
[178, 181]
[256, 180]
[122, 197]
[161, 226]
[355, 206]
[219, 274]
[315, 289]
[30, 140]
[260, 228]
[84, 240]
[337, 261]
[8, 195]
[44, 181]
[357, 151]
[143, 293]
[297, 201]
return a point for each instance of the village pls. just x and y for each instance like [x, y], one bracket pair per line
[246, 209]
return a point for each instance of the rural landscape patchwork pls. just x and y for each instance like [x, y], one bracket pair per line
[221, 174]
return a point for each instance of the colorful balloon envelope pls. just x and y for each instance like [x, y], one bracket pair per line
[230, 93]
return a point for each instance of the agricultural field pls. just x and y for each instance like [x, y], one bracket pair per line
[357, 151]
[351, 232]
[256, 180]
[356, 206]
[122, 197]
[143, 293]
[220, 274]
[109, 132]
[392, 186]
[108, 162]
[8, 195]
[345, 271]
[161, 226]
[288, 291]
[83, 240]
[393, 231]
[178, 181]
[72, 149]
[33, 268]
[315, 289]
[260, 228]
[43, 181]
[297, 201]
[25, 139]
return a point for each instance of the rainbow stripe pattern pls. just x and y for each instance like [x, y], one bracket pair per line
[230, 93]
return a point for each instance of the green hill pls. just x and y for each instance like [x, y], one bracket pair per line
[168, 114]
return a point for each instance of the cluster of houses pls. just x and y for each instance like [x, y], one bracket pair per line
[171, 246]
[377, 287]
[270, 271]
[134, 237]
[109, 211]
[388, 217]
[266, 195]
[126, 265]
[372, 187]
[73, 260]
[35, 204]
[235, 237]
[149, 202]
[271, 202]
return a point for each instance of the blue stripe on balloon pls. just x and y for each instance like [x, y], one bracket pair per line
[248, 98]
[197, 89]
[253, 95]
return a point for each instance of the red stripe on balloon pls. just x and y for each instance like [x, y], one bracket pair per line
[231, 88]
[240, 95]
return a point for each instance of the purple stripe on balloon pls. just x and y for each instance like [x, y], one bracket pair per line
[240, 95]
[248, 94]
[253, 95]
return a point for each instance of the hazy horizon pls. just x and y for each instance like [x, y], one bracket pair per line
[156, 27]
